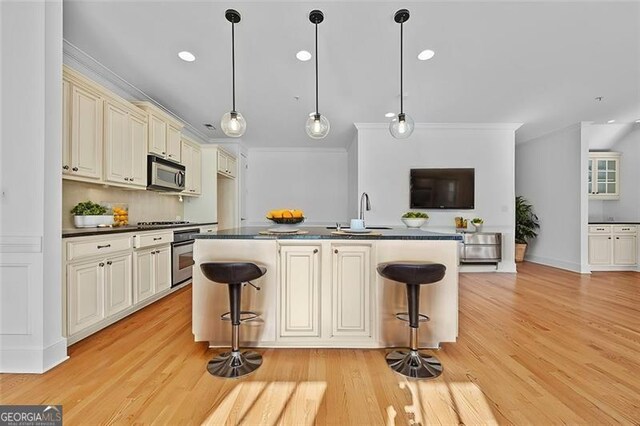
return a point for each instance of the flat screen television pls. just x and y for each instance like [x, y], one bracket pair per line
[452, 189]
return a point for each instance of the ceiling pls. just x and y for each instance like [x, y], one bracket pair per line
[541, 64]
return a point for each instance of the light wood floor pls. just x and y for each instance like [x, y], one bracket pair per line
[545, 346]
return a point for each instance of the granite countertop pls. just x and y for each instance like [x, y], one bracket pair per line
[317, 232]
[86, 232]
[615, 222]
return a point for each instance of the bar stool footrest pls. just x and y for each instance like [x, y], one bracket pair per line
[244, 316]
[404, 316]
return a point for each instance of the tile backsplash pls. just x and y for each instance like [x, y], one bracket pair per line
[143, 205]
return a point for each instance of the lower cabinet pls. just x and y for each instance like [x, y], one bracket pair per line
[612, 246]
[97, 289]
[600, 249]
[346, 289]
[152, 272]
[624, 250]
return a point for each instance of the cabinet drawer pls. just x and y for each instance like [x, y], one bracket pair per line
[480, 253]
[81, 249]
[625, 229]
[154, 239]
[600, 229]
[208, 229]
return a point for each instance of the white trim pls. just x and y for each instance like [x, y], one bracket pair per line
[300, 149]
[54, 354]
[613, 268]
[462, 126]
[556, 263]
[73, 55]
[575, 126]
[33, 360]
[11, 244]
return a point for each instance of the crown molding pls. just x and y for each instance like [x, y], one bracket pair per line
[84, 63]
[575, 126]
[452, 126]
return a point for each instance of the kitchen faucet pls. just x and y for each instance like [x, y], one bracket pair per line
[364, 198]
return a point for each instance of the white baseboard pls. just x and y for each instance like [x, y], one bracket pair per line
[556, 263]
[613, 268]
[33, 360]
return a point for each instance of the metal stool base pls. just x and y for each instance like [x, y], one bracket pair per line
[414, 364]
[234, 364]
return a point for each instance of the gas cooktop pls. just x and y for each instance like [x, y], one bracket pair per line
[163, 223]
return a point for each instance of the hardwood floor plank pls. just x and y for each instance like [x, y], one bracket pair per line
[544, 346]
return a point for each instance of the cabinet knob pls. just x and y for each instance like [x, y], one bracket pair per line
[617, 238]
[101, 264]
[65, 167]
[315, 250]
[130, 179]
[336, 251]
[163, 153]
[109, 262]
[126, 178]
[75, 169]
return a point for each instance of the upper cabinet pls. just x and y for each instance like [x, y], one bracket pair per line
[192, 160]
[164, 133]
[82, 129]
[604, 175]
[227, 164]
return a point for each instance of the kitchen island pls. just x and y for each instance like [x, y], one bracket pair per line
[322, 289]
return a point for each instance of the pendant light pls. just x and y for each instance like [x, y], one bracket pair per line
[401, 126]
[317, 125]
[232, 123]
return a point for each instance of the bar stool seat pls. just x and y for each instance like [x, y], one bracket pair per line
[413, 363]
[235, 363]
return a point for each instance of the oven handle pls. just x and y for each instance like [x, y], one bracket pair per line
[182, 243]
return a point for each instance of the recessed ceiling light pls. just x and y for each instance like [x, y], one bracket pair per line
[303, 55]
[186, 56]
[426, 54]
[637, 121]
[390, 114]
[611, 121]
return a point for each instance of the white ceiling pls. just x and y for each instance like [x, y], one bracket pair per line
[541, 64]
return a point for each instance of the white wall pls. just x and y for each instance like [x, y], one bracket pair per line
[627, 208]
[30, 177]
[551, 175]
[352, 178]
[314, 180]
[384, 165]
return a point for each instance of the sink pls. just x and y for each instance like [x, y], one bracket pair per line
[368, 227]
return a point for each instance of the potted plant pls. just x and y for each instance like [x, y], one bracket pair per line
[414, 219]
[88, 214]
[477, 223]
[527, 226]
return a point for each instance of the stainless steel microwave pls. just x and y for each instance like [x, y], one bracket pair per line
[164, 175]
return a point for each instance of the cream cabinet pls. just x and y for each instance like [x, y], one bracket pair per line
[125, 136]
[351, 290]
[613, 247]
[604, 175]
[164, 132]
[227, 164]
[97, 289]
[192, 160]
[300, 291]
[152, 272]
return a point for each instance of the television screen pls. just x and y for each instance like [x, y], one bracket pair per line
[452, 189]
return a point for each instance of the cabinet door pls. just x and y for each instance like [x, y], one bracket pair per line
[162, 259]
[85, 293]
[606, 176]
[186, 161]
[222, 162]
[118, 284]
[157, 136]
[600, 249]
[351, 290]
[138, 140]
[173, 143]
[196, 176]
[299, 291]
[232, 167]
[590, 186]
[86, 133]
[66, 127]
[625, 250]
[144, 275]
[116, 143]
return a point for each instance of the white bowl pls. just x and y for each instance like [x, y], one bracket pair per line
[478, 227]
[415, 222]
[93, 221]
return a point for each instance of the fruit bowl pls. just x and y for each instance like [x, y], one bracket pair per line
[414, 222]
[286, 220]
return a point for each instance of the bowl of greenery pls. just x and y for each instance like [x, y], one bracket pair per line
[477, 223]
[90, 215]
[414, 219]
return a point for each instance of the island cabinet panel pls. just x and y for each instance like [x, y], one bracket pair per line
[351, 291]
[85, 295]
[118, 284]
[299, 291]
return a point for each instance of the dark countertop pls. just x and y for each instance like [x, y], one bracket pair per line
[86, 232]
[618, 222]
[315, 233]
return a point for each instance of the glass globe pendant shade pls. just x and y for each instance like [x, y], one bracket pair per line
[401, 126]
[233, 124]
[317, 126]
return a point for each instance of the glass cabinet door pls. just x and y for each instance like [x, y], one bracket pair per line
[603, 176]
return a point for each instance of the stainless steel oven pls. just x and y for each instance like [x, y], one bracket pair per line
[182, 255]
[164, 175]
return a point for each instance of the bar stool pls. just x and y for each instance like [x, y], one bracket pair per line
[413, 363]
[234, 274]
